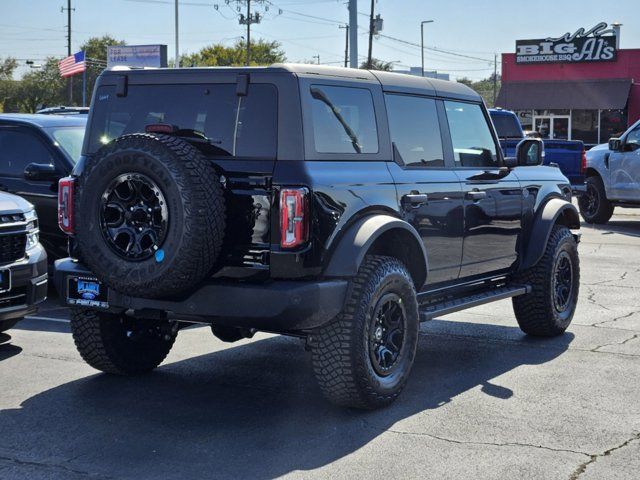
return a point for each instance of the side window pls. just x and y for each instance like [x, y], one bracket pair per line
[634, 136]
[473, 144]
[19, 148]
[415, 131]
[344, 120]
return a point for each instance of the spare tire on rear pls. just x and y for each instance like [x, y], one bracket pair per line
[150, 215]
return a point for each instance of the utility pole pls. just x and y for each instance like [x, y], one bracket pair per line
[176, 62]
[69, 79]
[353, 32]
[422, 41]
[317, 57]
[369, 55]
[346, 44]
[248, 21]
[495, 77]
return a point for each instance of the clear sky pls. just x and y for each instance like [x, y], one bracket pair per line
[34, 29]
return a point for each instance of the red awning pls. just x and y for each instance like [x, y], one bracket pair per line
[574, 94]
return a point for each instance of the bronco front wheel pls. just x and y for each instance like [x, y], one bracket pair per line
[362, 359]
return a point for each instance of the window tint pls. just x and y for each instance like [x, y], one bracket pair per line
[413, 122]
[238, 126]
[344, 120]
[507, 126]
[473, 145]
[19, 148]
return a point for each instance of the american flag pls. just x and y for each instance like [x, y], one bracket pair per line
[72, 64]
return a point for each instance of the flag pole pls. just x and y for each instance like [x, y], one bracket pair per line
[84, 80]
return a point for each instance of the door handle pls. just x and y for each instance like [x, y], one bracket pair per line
[476, 195]
[415, 199]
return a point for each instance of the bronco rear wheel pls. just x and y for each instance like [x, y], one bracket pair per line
[150, 215]
[119, 344]
[362, 359]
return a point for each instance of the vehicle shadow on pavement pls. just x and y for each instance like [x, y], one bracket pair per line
[7, 350]
[249, 411]
[622, 227]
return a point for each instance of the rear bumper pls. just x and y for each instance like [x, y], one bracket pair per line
[278, 306]
[28, 285]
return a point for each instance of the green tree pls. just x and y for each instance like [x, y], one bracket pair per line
[218, 55]
[7, 84]
[95, 52]
[377, 64]
[484, 87]
[40, 88]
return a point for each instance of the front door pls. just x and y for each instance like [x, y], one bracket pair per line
[20, 146]
[428, 190]
[556, 128]
[492, 194]
[625, 168]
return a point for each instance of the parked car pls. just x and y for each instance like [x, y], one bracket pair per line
[23, 261]
[569, 155]
[342, 206]
[613, 177]
[35, 152]
[62, 110]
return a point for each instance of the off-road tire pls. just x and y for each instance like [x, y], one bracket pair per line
[8, 324]
[604, 209]
[536, 312]
[102, 341]
[196, 214]
[340, 350]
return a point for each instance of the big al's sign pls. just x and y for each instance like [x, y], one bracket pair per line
[595, 45]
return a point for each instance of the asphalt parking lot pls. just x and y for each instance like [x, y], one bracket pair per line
[484, 401]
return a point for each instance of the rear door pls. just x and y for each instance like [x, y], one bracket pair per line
[20, 146]
[429, 192]
[492, 194]
[625, 168]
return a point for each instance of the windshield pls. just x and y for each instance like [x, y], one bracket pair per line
[507, 126]
[69, 139]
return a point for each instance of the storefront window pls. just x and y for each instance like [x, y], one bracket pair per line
[526, 119]
[584, 126]
[547, 113]
[613, 123]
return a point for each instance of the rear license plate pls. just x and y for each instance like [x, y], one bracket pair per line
[87, 292]
[5, 280]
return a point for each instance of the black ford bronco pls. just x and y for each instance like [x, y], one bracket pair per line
[342, 206]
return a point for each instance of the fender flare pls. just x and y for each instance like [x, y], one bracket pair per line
[358, 239]
[554, 211]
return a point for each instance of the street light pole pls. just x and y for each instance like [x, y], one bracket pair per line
[422, 41]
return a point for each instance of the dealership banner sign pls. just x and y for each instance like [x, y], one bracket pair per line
[595, 45]
[137, 56]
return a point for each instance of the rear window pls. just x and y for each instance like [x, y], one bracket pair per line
[236, 126]
[507, 126]
[344, 120]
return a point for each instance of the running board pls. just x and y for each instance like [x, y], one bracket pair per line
[429, 312]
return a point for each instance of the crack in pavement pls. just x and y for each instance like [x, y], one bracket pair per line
[25, 463]
[470, 442]
[592, 300]
[597, 349]
[614, 319]
[583, 466]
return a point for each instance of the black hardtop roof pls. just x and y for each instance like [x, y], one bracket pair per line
[390, 81]
[42, 120]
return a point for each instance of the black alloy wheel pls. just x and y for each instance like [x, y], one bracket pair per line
[387, 334]
[134, 216]
[562, 282]
[590, 201]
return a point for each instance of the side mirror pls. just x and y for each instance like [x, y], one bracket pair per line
[615, 144]
[529, 152]
[41, 172]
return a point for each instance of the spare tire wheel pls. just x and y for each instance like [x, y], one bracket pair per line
[150, 215]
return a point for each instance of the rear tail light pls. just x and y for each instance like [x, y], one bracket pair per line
[66, 187]
[583, 162]
[294, 217]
